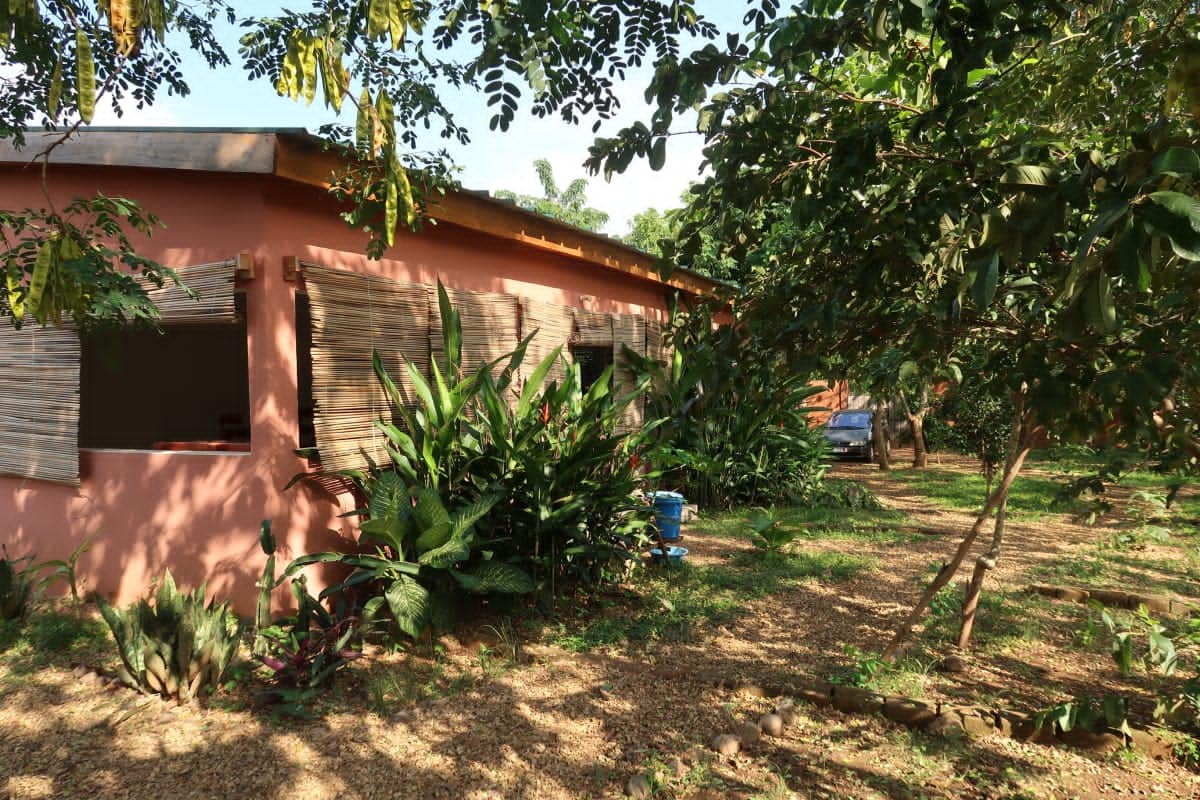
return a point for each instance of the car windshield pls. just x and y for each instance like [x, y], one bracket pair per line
[842, 421]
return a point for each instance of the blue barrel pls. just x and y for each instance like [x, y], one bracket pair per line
[668, 512]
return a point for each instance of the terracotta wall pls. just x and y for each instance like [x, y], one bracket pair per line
[198, 514]
[833, 397]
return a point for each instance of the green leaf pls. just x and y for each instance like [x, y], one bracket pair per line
[658, 154]
[389, 496]
[1181, 205]
[495, 576]
[987, 276]
[1029, 175]
[447, 555]
[1098, 307]
[410, 605]
[533, 386]
[1180, 162]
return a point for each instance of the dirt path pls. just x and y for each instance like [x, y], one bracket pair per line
[567, 725]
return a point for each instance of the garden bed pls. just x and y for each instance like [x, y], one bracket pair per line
[633, 680]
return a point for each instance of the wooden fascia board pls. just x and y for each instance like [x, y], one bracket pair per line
[316, 167]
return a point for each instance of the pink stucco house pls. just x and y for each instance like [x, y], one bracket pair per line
[177, 444]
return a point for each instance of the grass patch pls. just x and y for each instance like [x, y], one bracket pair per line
[674, 603]
[814, 524]
[1030, 496]
[1002, 618]
[52, 638]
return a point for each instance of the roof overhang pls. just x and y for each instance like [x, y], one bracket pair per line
[295, 155]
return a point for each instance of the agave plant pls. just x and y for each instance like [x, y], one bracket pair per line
[178, 647]
[16, 587]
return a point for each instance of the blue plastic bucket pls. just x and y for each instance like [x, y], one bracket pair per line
[675, 554]
[668, 512]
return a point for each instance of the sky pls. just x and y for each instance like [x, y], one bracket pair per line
[492, 161]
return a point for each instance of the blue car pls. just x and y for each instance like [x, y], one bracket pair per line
[849, 434]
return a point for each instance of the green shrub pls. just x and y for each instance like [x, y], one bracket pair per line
[539, 490]
[178, 647]
[423, 552]
[304, 650]
[728, 419]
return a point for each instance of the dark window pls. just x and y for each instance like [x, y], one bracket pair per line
[304, 386]
[592, 362]
[184, 387]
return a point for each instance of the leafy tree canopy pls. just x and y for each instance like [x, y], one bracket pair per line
[387, 59]
[569, 205]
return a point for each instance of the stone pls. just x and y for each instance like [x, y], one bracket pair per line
[977, 726]
[750, 689]
[89, 679]
[818, 694]
[944, 725]
[1150, 745]
[913, 713]
[854, 700]
[771, 724]
[952, 664]
[726, 745]
[749, 733]
[639, 786]
[1028, 731]
[1093, 742]
[677, 767]
[1110, 598]
[1154, 603]
[79, 671]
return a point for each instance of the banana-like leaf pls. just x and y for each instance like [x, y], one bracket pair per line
[533, 386]
[448, 554]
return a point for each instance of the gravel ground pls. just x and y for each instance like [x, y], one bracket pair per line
[566, 725]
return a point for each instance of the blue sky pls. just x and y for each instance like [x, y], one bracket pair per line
[226, 98]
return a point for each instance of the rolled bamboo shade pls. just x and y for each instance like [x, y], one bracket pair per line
[654, 340]
[592, 329]
[39, 403]
[213, 285]
[353, 314]
[629, 330]
[490, 326]
[554, 325]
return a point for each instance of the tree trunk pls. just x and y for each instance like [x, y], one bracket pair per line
[1018, 448]
[916, 427]
[983, 565]
[916, 424]
[879, 441]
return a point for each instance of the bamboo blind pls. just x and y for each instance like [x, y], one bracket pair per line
[213, 285]
[554, 325]
[39, 403]
[352, 315]
[489, 326]
[654, 340]
[593, 329]
[629, 330]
